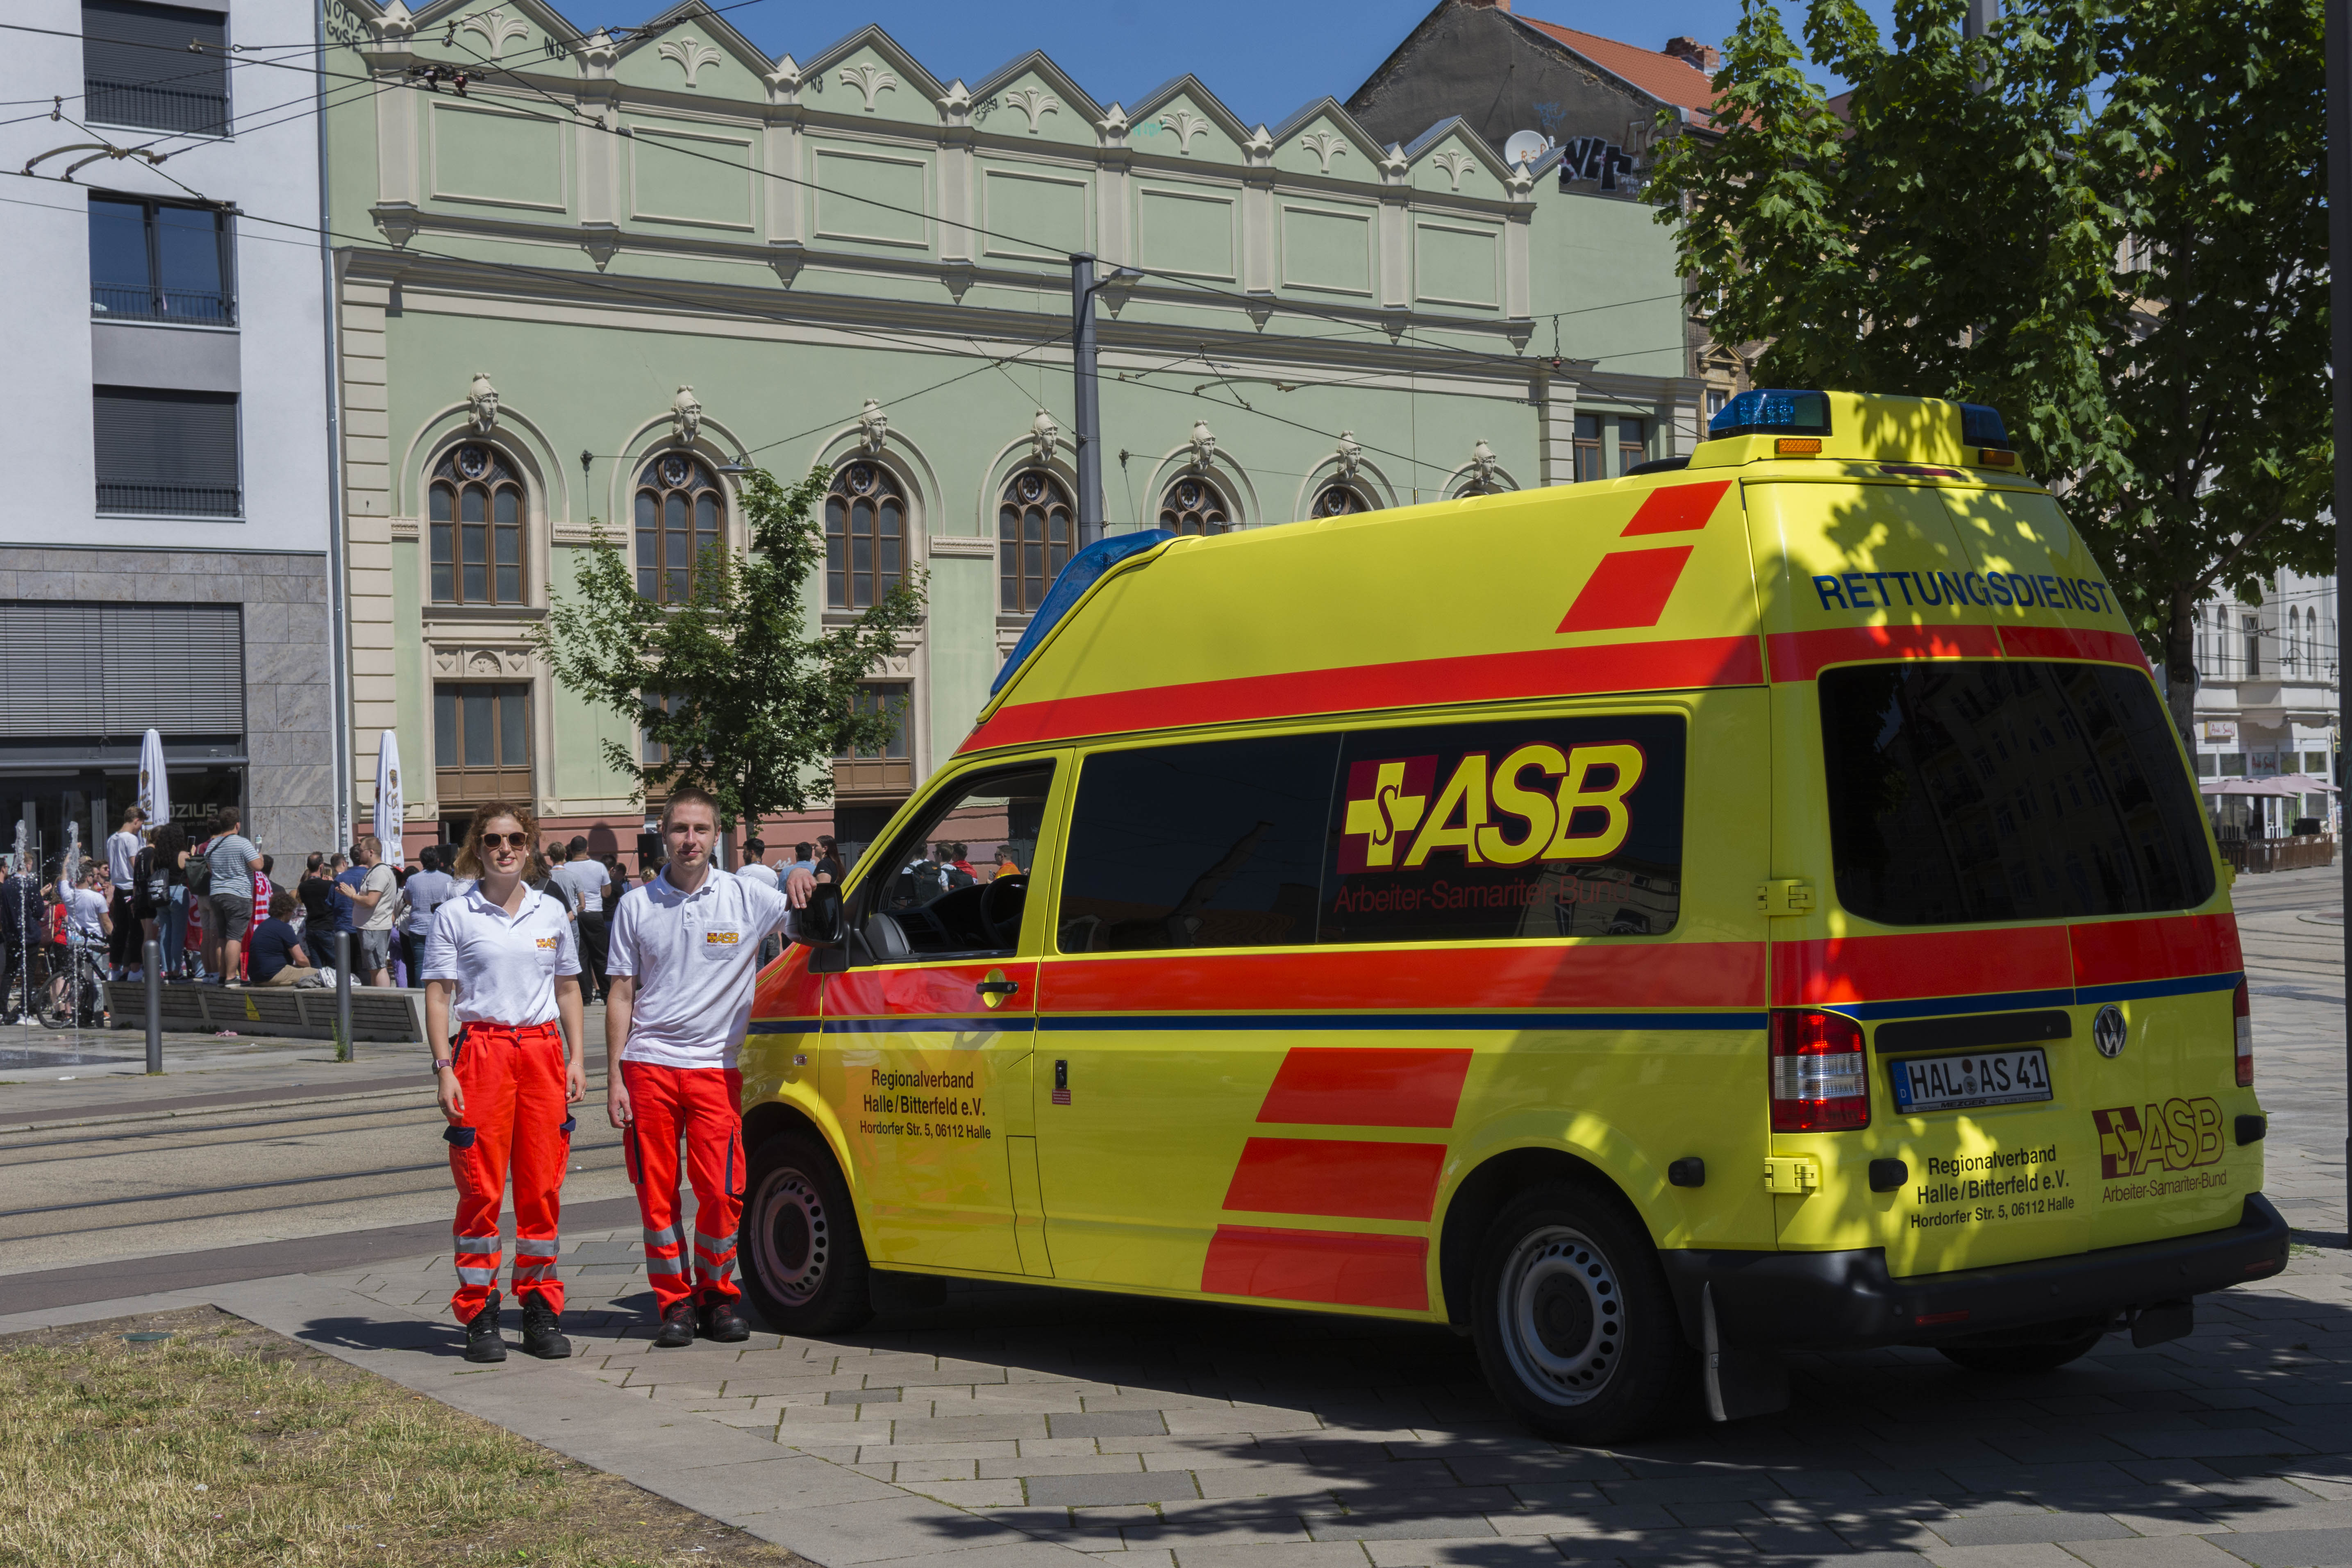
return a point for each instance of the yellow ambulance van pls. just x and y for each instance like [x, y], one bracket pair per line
[1652, 926]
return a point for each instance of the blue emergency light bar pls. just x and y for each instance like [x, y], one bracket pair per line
[1981, 426]
[1085, 569]
[1771, 412]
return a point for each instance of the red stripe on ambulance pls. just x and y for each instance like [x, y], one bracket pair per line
[1349, 1086]
[1336, 1267]
[1338, 1176]
[1678, 509]
[2116, 952]
[1628, 590]
[1800, 656]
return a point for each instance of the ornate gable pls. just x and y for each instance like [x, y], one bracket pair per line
[868, 75]
[1034, 99]
[1451, 159]
[690, 49]
[1183, 119]
[1323, 139]
[513, 35]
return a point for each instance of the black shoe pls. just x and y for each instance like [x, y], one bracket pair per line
[677, 1327]
[482, 1341]
[541, 1335]
[720, 1322]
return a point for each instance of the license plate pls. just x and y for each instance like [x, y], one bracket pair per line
[1970, 1079]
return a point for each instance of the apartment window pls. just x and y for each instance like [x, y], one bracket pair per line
[481, 740]
[1193, 505]
[2293, 661]
[165, 454]
[864, 537]
[477, 508]
[1034, 528]
[2315, 763]
[1339, 500]
[1716, 396]
[1587, 447]
[652, 752]
[885, 769]
[1633, 443]
[678, 521]
[163, 68]
[2251, 627]
[155, 261]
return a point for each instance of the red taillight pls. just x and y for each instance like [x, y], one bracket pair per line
[1820, 1078]
[2241, 1009]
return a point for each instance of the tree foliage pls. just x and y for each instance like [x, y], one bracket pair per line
[743, 700]
[2105, 217]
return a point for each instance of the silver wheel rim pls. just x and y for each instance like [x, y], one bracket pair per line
[792, 1238]
[1563, 1315]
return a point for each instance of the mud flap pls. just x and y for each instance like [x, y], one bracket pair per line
[1741, 1380]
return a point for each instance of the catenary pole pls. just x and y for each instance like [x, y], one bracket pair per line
[1089, 398]
[2339, 290]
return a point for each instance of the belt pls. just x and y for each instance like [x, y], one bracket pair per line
[512, 1034]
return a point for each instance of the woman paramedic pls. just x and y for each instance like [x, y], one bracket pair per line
[500, 955]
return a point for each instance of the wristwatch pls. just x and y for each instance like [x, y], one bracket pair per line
[438, 1065]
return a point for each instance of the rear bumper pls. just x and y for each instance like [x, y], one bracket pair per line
[1795, 1300]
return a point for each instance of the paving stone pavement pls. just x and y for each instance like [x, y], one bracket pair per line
[1152, 1433]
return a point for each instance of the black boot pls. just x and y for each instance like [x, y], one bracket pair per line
[720, 1322]
[677, 1327]
[482, 1341]
[541, 1335]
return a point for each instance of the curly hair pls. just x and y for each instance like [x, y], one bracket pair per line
[469, 853]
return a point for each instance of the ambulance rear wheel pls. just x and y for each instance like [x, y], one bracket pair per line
[2017, 1359]
[1575, 1326]
[804, 1259]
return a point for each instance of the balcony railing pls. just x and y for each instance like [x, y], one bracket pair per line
[155, 108]
[195, 307]
[168, 501]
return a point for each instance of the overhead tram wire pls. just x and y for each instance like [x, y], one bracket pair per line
[572, 116]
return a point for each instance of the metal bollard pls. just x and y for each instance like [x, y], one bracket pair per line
[344, 1050]
[153, 970]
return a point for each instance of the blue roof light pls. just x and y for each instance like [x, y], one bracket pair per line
[1981, 427]
[1771, 412]
[1085, 569]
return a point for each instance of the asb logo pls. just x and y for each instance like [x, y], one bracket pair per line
[727, 938]
[550, 943]
[2175, 1136]
[1539, 803]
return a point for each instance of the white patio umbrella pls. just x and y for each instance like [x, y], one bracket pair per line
[155, 784]
[386, 827]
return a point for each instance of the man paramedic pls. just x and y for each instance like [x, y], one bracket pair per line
[684, 958]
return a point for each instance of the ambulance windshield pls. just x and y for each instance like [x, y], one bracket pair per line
[2007, 790]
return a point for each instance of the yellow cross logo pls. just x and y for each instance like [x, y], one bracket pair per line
[1387, 811]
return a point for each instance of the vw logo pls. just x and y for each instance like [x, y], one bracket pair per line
[2108, 1031]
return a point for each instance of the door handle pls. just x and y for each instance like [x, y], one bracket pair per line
[999, 987]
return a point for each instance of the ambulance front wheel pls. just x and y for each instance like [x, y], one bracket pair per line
[1575, 1326]
[805, 1262]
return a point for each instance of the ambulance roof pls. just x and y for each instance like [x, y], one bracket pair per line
[1750, 564]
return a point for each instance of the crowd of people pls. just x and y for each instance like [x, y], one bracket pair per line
[218, 916]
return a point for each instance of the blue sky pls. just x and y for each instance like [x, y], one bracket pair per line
[1264, 59]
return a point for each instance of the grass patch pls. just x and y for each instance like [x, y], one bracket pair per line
[225, 1446]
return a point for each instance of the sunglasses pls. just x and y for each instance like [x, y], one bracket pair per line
[510, 840]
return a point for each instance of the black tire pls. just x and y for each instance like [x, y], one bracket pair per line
[804, 1259]
[2020, 1359]
[1576, 1328]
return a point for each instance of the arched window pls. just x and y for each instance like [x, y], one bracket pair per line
[476, 506]
[1338, 500]
[865, 536]
[2293, 640]
[1193, 505]
[678, 508]
[1035, 525]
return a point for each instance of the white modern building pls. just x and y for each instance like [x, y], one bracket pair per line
[2266, 699]
[166, 561]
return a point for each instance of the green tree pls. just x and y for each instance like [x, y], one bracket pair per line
[2104, 217]
[742, 700]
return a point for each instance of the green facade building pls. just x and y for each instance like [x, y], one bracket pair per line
[605, 271]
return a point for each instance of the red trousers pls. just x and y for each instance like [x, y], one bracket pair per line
[515, 1117]
[704, 1107]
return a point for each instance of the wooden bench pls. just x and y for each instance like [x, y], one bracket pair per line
[383, 1014]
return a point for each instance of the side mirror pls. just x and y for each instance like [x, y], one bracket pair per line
[822, 923]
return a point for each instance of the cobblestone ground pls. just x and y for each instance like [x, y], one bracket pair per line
[1183, 1436]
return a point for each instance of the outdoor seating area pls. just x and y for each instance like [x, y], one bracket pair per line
[385, 1014]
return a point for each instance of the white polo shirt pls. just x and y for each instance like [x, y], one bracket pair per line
[505, 966]
[696, 960]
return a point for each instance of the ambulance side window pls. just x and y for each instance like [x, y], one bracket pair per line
[1218, 844]
[919, 901]
[1528, 828]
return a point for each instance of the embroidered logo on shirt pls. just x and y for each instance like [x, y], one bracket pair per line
[550, 941]
[728, 937]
